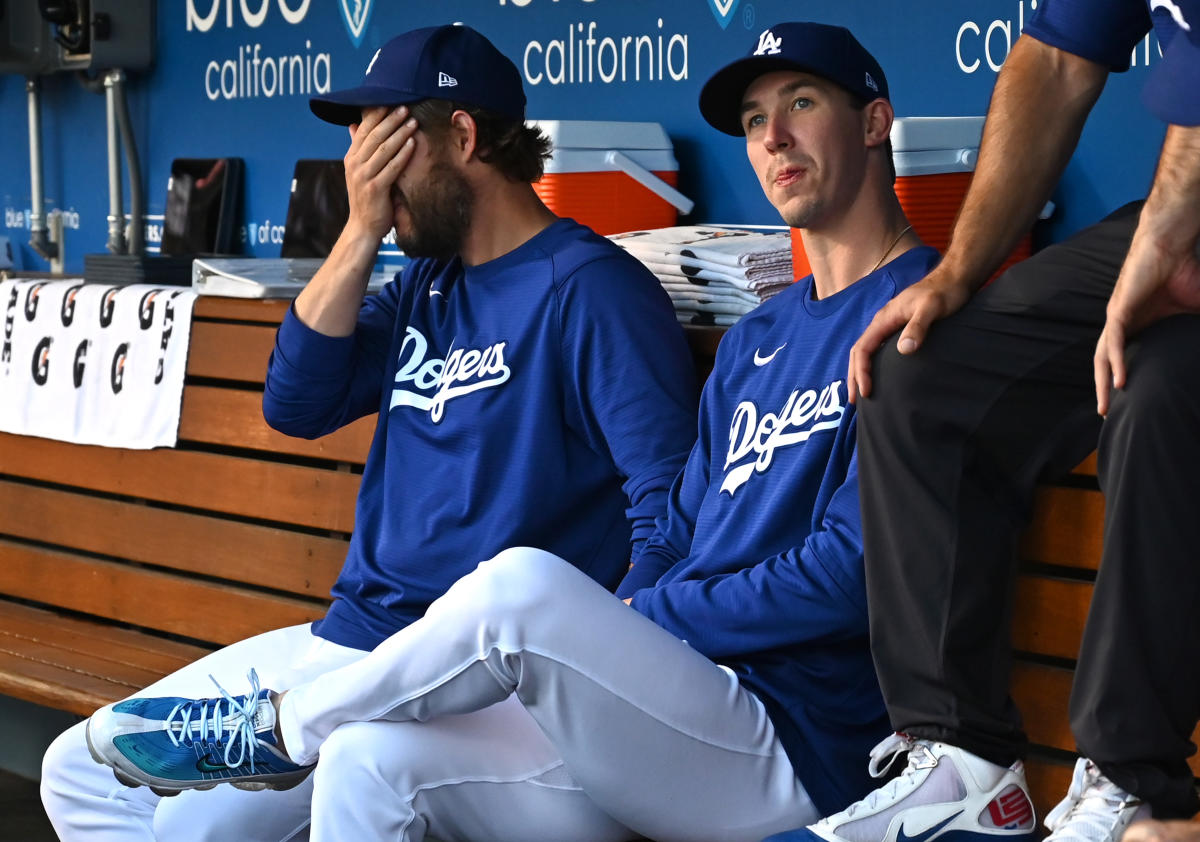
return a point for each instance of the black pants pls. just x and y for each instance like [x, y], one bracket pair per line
[951, 444]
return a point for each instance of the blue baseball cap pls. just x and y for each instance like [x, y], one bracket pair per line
[451, 62]
[1173, 91]
[830, 52]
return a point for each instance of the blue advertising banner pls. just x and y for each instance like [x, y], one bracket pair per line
[232, 78]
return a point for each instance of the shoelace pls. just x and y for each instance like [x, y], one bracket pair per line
[1093, 804]
[883, 757]
[238, 717]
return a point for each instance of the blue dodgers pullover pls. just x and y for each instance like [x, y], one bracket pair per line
[758, 562]
[543, 399]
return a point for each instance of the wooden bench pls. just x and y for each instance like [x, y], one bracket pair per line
[119, 566]
[1060, 555]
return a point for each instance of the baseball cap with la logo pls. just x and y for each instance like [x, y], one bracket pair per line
[830, 52]
[451, 62]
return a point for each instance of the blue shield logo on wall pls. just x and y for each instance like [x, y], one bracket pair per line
[723, 10]
[356, 13]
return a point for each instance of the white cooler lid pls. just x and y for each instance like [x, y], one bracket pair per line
[584, 145]
[604, 134]
[925, 145]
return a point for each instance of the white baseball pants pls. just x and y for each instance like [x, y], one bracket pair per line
[531, 704]
[528, 704]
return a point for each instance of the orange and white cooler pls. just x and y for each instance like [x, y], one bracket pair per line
[935, 159]
[612, 176]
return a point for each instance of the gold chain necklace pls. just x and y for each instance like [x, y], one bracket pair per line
[889, 248]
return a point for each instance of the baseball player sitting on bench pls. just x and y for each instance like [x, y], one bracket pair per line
[532, 383]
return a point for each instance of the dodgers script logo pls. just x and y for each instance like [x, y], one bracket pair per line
[723, 11]
[355, 14]
[753, 441]
[462, 372]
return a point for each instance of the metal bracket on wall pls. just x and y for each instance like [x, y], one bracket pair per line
[54, 221]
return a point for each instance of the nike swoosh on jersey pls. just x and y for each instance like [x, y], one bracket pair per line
[433, 292]
[760, 360]
[929, 833]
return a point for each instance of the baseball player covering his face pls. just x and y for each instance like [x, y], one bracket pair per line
[532, 385]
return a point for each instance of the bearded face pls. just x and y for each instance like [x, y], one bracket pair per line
[432, 217]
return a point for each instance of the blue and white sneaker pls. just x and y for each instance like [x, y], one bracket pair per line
[172, 744]
[1095, 809]
[944, 793]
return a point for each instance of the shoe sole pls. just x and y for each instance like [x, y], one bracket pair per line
[249, 783]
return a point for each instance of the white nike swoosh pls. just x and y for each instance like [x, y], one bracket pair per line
[433, 292]
[760, 361]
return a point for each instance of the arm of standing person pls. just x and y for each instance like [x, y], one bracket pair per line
[1041, 101]
[1161, 274]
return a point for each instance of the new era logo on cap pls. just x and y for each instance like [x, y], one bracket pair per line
[768, 44]
[445, 80]
[871, 83]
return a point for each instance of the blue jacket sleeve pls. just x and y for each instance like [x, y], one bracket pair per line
[317, 383]
[671, 540]
[809, 593]
[1103, 31]
[628, 377]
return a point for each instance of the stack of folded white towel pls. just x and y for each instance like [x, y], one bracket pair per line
[713, 274]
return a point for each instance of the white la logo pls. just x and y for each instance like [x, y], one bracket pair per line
[768, 44]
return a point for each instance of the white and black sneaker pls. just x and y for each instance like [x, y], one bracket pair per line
[945, 793]
[1095, 809]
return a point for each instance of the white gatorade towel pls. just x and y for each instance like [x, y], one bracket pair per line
[93, 363]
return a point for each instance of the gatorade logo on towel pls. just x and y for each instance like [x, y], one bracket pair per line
[108, 301]
[146, 309]
[67, 311]
[80, 363]
[118, 367]
[41, 361]
[31, 301]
